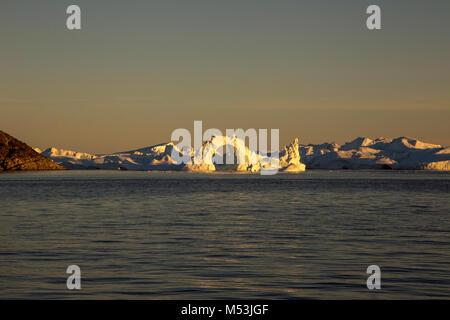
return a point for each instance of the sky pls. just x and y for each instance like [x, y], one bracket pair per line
[137, 70]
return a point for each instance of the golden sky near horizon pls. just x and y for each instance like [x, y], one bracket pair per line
[140, 69]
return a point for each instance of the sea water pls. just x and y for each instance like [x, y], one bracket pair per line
[159, 235]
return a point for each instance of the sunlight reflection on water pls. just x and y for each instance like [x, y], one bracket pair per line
[207, 236]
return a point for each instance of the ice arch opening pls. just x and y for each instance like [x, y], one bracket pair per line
[225, 153]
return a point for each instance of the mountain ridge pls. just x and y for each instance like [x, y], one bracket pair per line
[402, 153]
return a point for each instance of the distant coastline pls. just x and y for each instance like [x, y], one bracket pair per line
[401, 153]
[362, 153]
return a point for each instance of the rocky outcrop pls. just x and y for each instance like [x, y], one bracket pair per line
[16, 155]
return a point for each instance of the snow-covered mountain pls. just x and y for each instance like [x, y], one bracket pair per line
[361, 153]
[381, 153]
[159, 157]
[149, 158]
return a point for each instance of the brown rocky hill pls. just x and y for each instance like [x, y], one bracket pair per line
[16, 155]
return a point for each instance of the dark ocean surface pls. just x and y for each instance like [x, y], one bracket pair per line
[155, 235]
